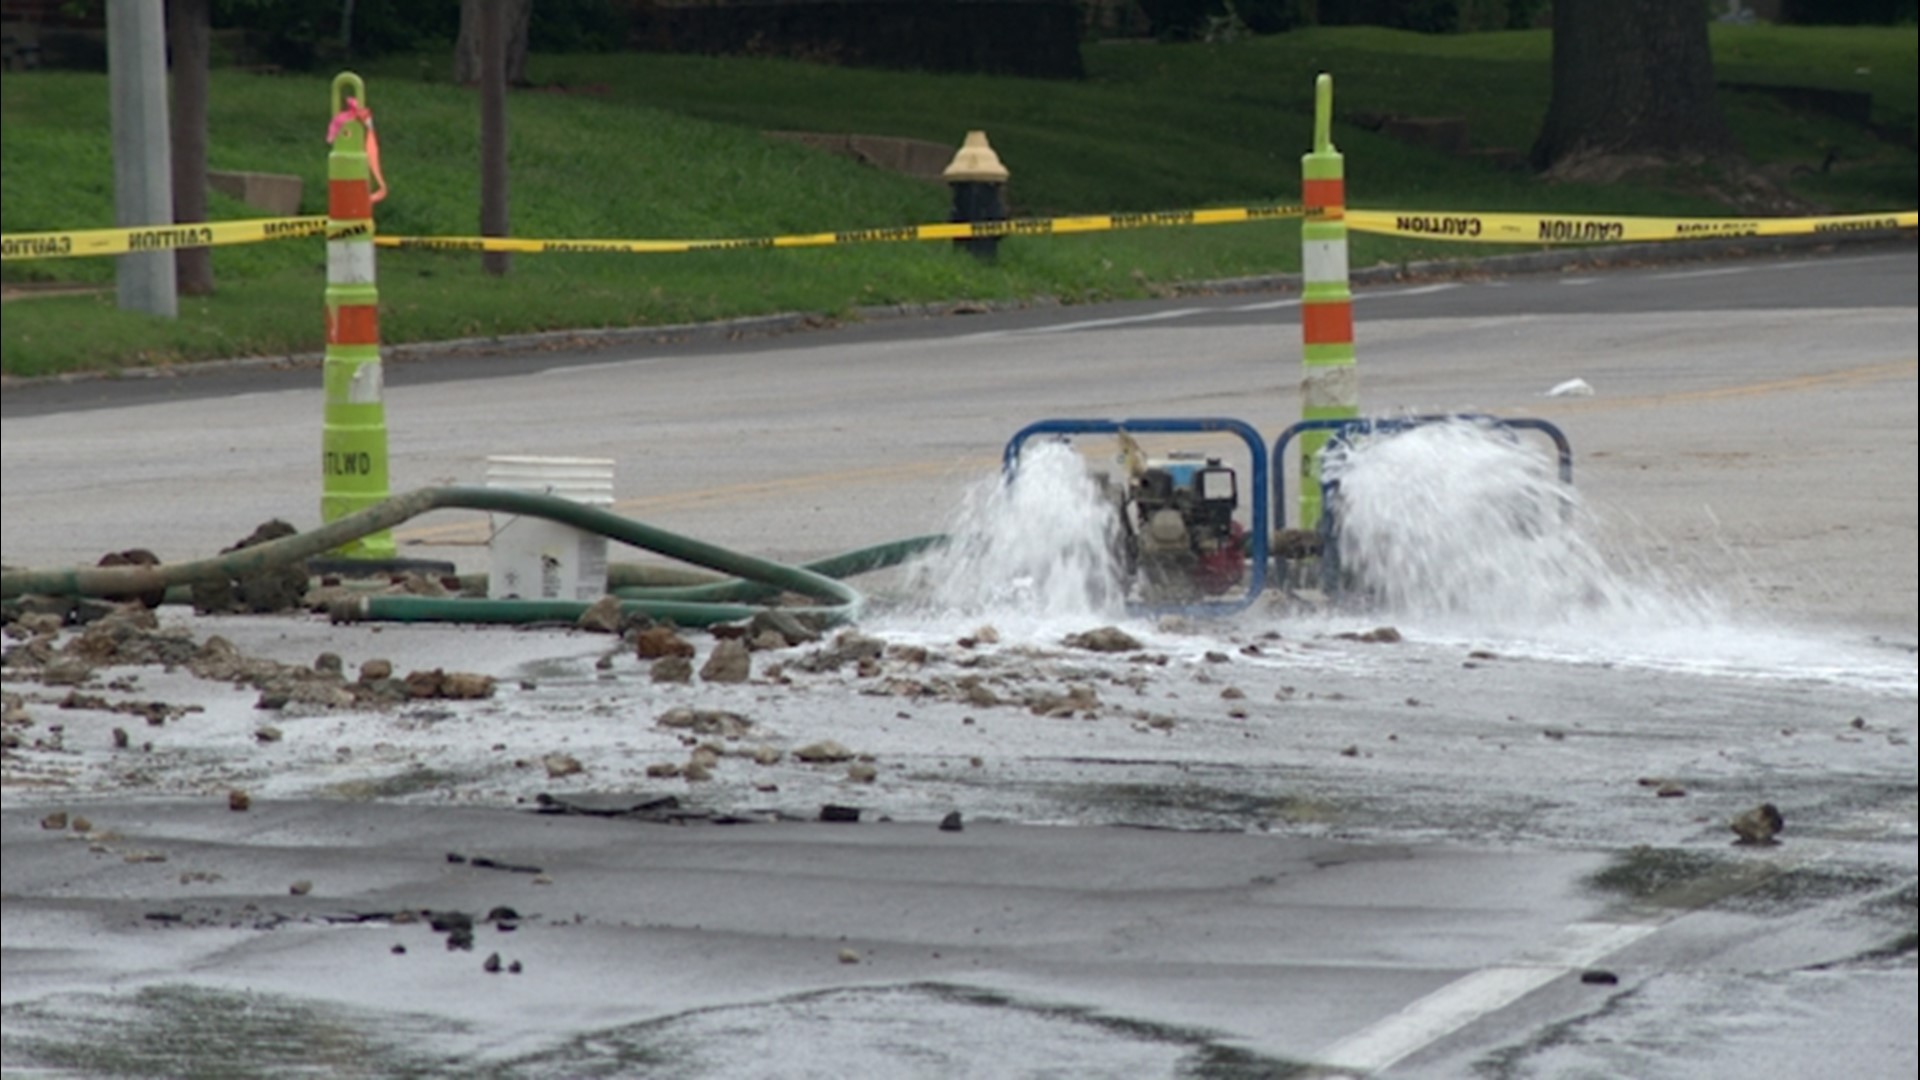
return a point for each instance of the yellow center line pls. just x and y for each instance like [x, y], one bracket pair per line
[1847, 377]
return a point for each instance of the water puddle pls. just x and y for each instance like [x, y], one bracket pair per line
[911, 1031]
[914, 1031]
[182, 1031]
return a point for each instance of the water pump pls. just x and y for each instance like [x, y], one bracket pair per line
[1181, 540]
[1190, 530]
[1187, 543]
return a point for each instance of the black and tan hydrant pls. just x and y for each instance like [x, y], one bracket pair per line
[979, 183]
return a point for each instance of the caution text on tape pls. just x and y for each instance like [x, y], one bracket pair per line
[1504, 228]
[83, 242]
[1460, 226]
[978, 230]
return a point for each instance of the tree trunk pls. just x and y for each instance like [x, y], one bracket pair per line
[466, 50]
[1631, 78]
[189, 36]
[493, 132]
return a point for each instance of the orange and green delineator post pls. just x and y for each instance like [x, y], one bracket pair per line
[1330, 385]
[353, 448]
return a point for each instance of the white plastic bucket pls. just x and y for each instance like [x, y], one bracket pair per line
[531, 558]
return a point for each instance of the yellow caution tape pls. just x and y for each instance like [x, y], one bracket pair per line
[1485, 228]
[1466, 226]
[76, 243]
[978, 230]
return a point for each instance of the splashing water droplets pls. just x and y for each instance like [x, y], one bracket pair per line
[1458, 519]
[1040, 544]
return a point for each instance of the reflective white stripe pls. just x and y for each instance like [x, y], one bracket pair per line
[1268, 305]
[366, 385]
[1475, 995]
[349, 262]
[1122, 320]
[1330, 386]
[1323, 260]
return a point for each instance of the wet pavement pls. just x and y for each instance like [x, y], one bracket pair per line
[637, 934]
[1497, 842]
[1208, 856]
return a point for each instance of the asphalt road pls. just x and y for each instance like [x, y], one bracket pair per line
[795, 447]
[1640, 288]
[1270, 850]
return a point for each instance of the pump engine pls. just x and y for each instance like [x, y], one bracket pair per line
[1181, 539]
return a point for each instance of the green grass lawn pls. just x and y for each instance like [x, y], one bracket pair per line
[645, 146]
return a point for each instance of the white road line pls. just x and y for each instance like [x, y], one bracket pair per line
[1379, 294]
[1578, 945]
[1467, 999]
[1181, 313]
[601, 365]
[1415, 290]
[1718, 271]
[1798, 264]
[1578, 281]
[1761, 268]
[1118, 320]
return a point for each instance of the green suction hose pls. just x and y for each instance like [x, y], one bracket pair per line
[702, 604]
[845, 565]
[455, 610]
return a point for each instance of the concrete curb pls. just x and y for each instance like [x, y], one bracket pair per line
[1550, 261]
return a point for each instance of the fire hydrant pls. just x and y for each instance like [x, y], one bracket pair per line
[979, 183]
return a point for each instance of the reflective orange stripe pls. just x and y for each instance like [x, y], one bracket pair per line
[353, 324]
[1327, 324]
[1324, 192]
[348, 200]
